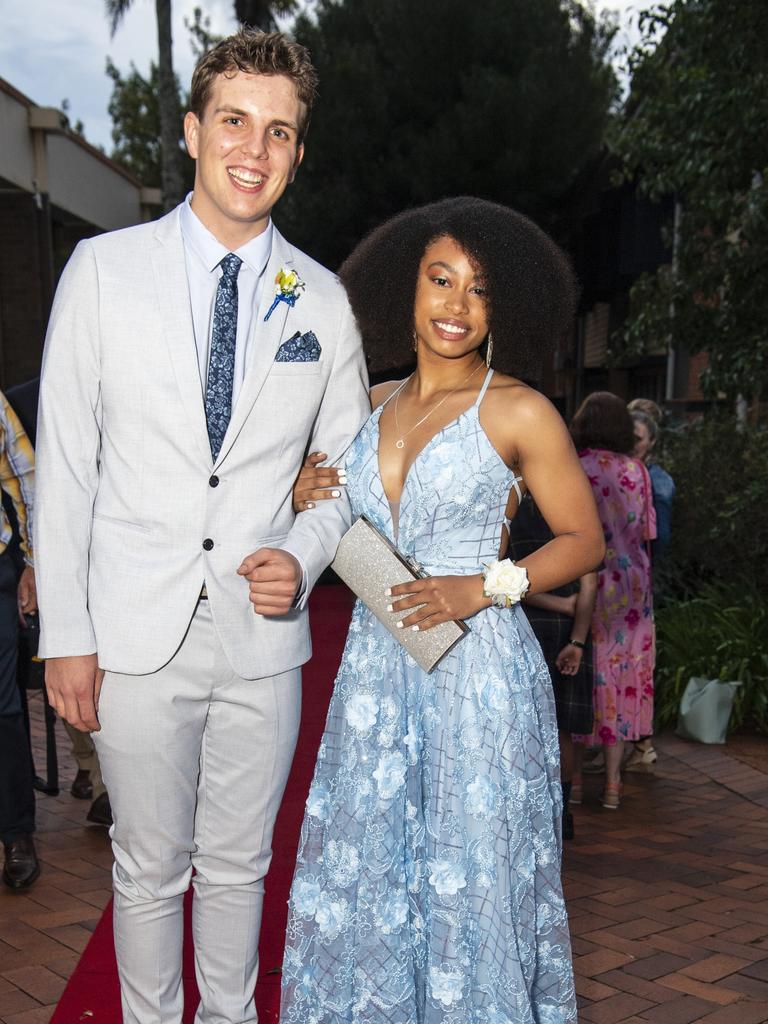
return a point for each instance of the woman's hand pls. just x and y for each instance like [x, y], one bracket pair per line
[317, 483]
[438, 599]
[568, 660]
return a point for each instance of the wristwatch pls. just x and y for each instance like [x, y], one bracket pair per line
[577, 643]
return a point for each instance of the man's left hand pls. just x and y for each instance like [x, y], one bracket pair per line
[274, 577]
[26, 594]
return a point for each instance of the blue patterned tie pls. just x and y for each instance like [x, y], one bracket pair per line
[221, 363]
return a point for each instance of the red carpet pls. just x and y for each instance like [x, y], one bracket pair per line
[92, 993]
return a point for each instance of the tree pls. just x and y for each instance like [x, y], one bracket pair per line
[261, 13]
[694, 128]
[168, 99]
[507, 100]
[135, 115]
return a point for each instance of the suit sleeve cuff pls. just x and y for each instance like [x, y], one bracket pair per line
[302, 593]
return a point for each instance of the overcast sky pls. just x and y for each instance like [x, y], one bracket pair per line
[55, 50]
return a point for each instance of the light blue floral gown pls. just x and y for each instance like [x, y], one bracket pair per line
[427, 884]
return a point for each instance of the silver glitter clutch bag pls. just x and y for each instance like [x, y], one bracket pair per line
[369, 563]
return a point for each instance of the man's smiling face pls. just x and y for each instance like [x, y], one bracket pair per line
[247, 152]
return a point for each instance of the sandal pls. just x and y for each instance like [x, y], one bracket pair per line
[641, 760]
[612, 796]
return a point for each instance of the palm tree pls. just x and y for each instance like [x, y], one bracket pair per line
[168, 98]
[261, 13]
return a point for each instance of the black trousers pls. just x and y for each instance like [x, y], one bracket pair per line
[17, 796]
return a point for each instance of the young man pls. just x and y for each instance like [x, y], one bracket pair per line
[179, 396]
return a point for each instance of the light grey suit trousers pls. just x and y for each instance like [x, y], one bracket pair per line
[195, 759]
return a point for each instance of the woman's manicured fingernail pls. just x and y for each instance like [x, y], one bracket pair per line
[399, 625]
[388, 592]
[390, 608]
[310, 504]
[342, 478]
[414, 629]
[335, 494]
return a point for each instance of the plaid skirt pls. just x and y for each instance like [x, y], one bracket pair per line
[573, 694]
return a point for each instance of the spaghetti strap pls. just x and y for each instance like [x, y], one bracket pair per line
[484, 388]
[397, 391]
[516, 485]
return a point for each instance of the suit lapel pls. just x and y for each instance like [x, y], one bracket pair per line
[172, 291]
[266, 341]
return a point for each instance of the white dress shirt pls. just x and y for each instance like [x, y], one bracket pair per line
[203, 254]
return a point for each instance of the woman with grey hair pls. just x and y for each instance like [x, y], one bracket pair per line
[662, 484]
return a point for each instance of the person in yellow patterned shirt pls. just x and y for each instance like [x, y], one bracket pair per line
[18, 598]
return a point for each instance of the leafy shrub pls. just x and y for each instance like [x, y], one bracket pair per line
[721, 634]
[719, 518]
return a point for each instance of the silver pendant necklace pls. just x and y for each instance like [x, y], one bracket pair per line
[400, 442]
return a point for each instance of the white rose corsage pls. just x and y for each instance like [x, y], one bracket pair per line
[505, 583]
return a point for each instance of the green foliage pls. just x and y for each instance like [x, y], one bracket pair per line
[78, 127]
[116, 11]
[721, 634]
[200, 36]
[719, 521]
[507, 100]
[135, 115]
[694, 128]
[262, 13]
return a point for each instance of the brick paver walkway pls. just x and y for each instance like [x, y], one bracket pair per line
[668, 896]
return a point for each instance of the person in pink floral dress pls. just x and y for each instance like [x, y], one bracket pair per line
[623, 633]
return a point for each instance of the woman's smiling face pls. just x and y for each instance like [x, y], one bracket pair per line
[451, 310]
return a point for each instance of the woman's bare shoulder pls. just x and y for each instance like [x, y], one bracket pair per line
[509, 397]
[381, 392]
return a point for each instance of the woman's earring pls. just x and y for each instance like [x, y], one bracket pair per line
[489, 350]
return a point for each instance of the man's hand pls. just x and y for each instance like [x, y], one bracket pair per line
[73, 686]
[26, 594]
[274, 576]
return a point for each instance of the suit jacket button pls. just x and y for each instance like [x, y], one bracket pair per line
[207, 544]
[214, 481]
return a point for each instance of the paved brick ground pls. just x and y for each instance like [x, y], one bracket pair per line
[44, 931]
[668, 896]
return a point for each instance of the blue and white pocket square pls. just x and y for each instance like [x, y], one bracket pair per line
[301, 348]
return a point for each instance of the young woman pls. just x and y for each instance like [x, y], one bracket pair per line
[622, 626]
[427, 885]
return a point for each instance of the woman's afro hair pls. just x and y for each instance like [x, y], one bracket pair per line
[531, 288]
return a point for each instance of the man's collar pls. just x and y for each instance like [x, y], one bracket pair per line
[210, 251]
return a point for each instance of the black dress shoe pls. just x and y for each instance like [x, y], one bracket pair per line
[21, 864]
[82, 787]
[100, 813]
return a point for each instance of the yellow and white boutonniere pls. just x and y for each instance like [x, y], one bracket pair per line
[288, 287]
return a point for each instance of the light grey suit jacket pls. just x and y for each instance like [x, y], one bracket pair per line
[124, 463]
